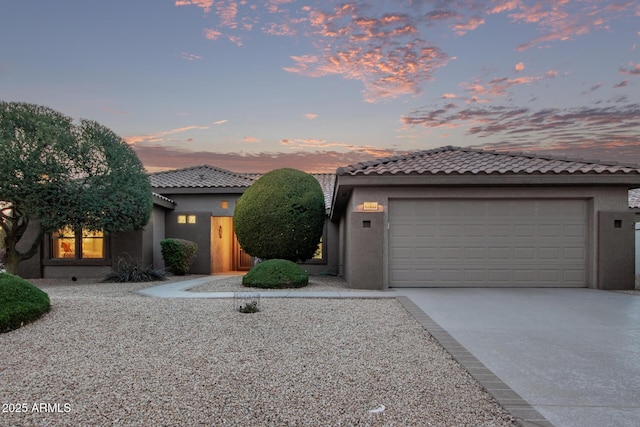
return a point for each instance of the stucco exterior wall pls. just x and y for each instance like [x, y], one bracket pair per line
[203, 206]
[358, 246]
[330, 265]
[157, 226]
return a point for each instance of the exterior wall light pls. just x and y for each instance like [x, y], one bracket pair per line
[370, 206]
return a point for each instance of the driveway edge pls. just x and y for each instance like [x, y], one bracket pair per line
[512, 402]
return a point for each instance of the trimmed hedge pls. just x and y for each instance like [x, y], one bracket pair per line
[276, 274]
[178, 255]
[20, 302]
[281, 216]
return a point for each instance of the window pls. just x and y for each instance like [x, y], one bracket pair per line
[70, 243]
[186, 219]
[318, 254]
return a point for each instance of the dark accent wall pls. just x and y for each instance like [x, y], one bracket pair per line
[616, 250]
[365, 261]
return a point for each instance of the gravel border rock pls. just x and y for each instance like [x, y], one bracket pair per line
[106, 356]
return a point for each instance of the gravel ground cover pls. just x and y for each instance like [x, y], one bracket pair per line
[105, 356]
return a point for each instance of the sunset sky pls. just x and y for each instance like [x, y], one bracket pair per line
[256, 85]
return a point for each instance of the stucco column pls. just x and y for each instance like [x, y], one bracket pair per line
[365, 258]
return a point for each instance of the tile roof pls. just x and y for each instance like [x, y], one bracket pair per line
[199, 177]
[163, 198]
[456, 160]
[327, 182]
[212, 177]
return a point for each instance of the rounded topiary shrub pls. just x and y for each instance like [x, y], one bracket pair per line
[281, 216]
[20, 302]
[178, 255]
[276, 274]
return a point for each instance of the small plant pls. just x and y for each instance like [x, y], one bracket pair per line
[20, 302]
[246, 302]
[178, 255]
[276, 274]
[130, 271]
[249, 307]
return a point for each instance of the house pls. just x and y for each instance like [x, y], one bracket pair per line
[466, 217]
[634, 203]
[444, 217]
[204, 199]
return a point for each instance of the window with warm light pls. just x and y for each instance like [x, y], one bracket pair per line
[70, 243]
[186, 219]
[224, 204]
[318, 254]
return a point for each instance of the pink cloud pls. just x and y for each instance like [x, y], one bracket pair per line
[632, 71]
[471, 24]
[388, 51]
[156, 158]
[617, 123]
[561, 20]
[204, 4]
[157, 137]
[311, 116]
[251, 139]
[211, 34]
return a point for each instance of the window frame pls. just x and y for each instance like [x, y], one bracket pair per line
[77, 259]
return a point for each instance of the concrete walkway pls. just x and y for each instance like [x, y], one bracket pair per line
[563, 357]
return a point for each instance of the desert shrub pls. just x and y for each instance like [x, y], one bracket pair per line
[276, 274]
[178, 255]
[20, 302]
[130, 271]
[281, 216]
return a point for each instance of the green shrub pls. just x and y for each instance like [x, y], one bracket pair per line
[276, 274]
[281, 216]
[178, 255]
[20, 302]
[130, 271]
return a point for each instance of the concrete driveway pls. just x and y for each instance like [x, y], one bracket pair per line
[572, 354]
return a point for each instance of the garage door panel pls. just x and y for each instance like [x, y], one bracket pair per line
[576, 254]
[549, 253]
[574, 230]
[525, 230]
[524, 253]
[471, 242]
[475, 254]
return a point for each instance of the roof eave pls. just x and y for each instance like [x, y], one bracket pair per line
[346, 182]
[200, 190]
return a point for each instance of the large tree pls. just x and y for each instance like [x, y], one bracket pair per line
[281, 215]
[57, 172]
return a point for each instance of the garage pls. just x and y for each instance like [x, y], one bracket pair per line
[488, 242]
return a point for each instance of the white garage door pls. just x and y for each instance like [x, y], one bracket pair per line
[478, 242]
